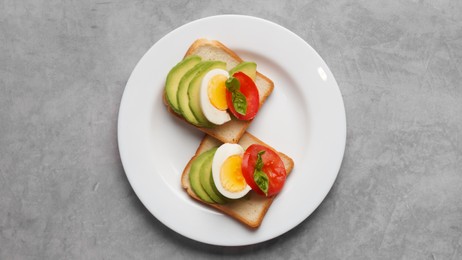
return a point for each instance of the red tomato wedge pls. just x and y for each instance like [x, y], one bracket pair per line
[273, 167]
[250, 91]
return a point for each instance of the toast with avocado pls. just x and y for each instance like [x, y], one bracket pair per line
[213, 89]
[200, 181]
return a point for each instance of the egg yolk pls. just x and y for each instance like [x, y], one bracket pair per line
[217, 92]
[231, 174]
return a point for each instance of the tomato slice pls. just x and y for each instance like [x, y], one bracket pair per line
[272, 166]
[250, 91]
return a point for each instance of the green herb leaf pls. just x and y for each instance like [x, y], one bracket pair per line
[238, 99]
[261, 179]
[232, 84]
[259, 164]
[239, 102]
[259, 176]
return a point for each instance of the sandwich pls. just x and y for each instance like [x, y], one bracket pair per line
[214, 90]
[228, 177]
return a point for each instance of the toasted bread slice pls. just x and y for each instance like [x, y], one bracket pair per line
[249, 210]
[231, 131]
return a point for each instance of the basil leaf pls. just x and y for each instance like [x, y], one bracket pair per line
[238, 99]
[259, 164]
[259, 176]
[239, 102]
[232, 84]
[261, 179]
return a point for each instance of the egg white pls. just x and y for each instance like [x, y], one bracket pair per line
[212, 114]
[223, 152]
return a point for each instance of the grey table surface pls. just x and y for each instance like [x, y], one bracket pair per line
[63, 69]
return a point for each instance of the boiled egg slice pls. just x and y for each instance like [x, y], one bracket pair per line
[213, 96]
[227, 171]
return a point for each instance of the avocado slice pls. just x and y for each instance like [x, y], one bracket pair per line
[174, 77]
[182, 94]
[247, 67]
[206, 179]
[194, 176]
[194, 91]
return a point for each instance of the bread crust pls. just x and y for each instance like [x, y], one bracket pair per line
[203, 42]
[235, 209]
[221, 132]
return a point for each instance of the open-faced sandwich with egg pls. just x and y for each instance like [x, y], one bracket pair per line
[240, 180]
[213, 89]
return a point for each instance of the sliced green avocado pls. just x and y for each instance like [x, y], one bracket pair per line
[182, 94]
[206, 179]
[194, 91]
[174, 77]
[247, 67]
[194, 178]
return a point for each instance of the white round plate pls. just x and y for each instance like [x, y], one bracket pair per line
[304, 118]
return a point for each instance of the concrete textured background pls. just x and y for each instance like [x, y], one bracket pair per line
[64, 66]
